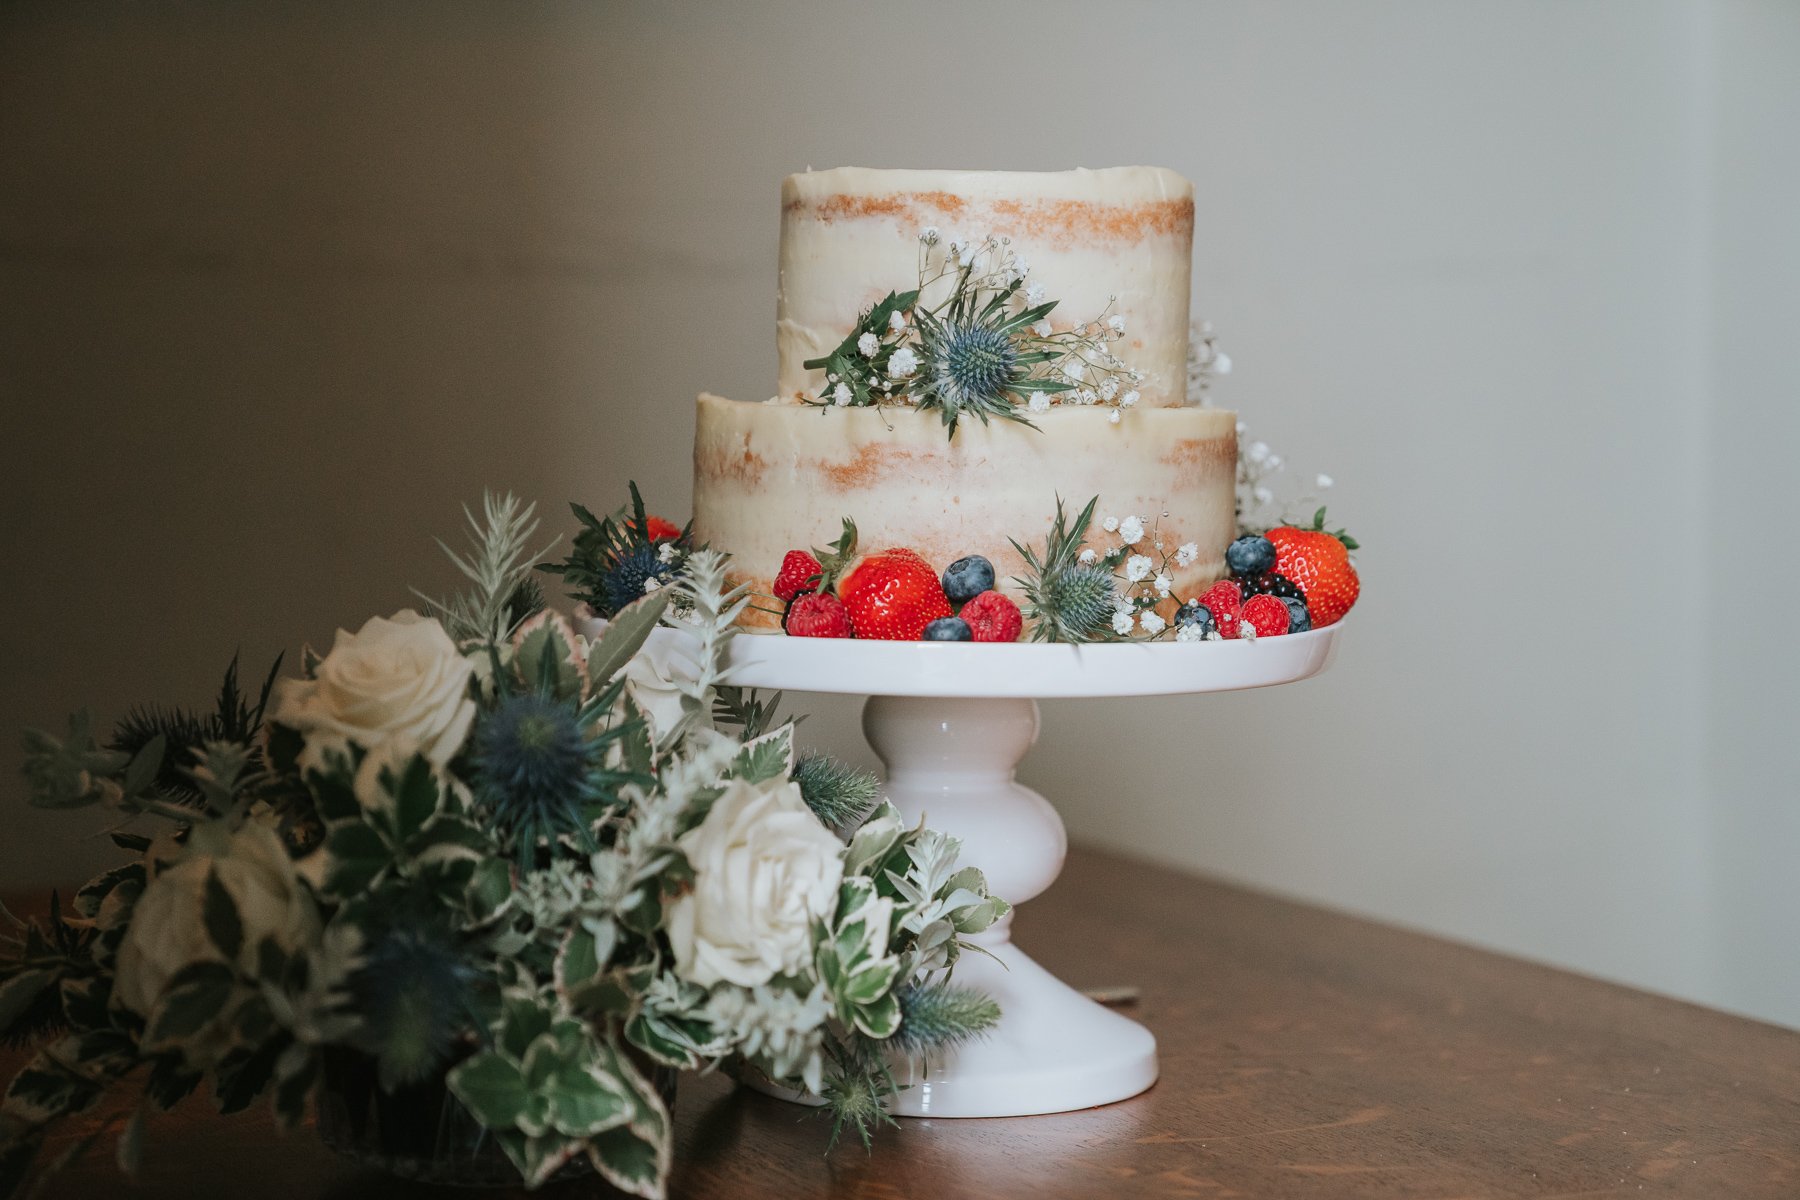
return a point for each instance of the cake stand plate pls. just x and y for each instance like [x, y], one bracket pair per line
[951, 722]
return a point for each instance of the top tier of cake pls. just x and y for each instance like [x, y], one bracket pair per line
[1122, 237]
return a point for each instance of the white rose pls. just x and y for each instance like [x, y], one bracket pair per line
[764, 870]
[168, 925]
[394, 677]
[653, 678]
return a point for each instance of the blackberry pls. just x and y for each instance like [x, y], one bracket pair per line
[1299, 620]
[1269, 583]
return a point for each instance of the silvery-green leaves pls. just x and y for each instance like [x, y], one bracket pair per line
[75, 770]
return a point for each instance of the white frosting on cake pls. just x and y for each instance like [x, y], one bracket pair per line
[1122, 235]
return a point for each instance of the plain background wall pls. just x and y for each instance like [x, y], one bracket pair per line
[281, 287]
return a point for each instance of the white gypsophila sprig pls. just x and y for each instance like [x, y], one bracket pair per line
[495, 564]
[1260, 504]
[1205, 362]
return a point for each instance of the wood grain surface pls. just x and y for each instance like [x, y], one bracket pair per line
[1304, 1055]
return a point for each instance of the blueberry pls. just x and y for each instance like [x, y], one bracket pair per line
[1196, 613]
[1250, 555]
[1299, 620]
[949, 629]
[967, 578]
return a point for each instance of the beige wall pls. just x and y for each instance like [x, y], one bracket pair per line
[281, 286]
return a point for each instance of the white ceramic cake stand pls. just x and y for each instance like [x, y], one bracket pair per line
[951, 721]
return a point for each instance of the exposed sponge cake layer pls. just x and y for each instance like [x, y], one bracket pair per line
[773, 477]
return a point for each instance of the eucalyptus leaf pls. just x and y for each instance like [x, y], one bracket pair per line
[625, 636]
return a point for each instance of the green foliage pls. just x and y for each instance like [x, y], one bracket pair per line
[613, 556]
[839, 795]
[747, 710]
[1065, 600]
[234, 719]
[1341, 534]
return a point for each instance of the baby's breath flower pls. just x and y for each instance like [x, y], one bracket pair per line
[1116, 323]
[1122, 622]
[1035, 295]
[1128, 399]
[1189, 633]
[1263, 495]
[1221, 363]
[1323, 482]
[1109, 389]
[1087, 556]
[1113, 417]
[1187, 553]
[1137, 568]
[1111, 524]
[897, 322]
[1074, 370]
[1152, 623]
[867, 345]
[665, 551]
[840, 395]
[1131, 530]
[1042, 329]
[651, 584]
[1258, 452]
[929, 235]
[1165, 583]
[1039, 402]
[904, 362]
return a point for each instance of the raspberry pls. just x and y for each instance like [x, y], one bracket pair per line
[1268, 615]
[799, 573]
[1225, 600]
[992, 617]
[819, 614]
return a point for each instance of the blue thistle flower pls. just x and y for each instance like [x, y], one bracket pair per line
[531, 768]
[416, 999]
[973, 366]
[624, 581]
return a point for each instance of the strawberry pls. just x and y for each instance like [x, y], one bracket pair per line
[658, 529]
[1268, 615]
[892, 595]
[799, 573]
[993, 617]
[1225, 600]
[819, 614]
[1318, 562]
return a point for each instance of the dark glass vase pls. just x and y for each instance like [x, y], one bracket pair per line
[422, 1133]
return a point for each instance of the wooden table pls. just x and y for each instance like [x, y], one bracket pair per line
[1304, 1054]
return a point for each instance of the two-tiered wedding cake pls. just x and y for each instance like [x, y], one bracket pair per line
[1101, 379]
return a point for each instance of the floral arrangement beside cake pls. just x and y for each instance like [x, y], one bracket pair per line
[474, 884]
[940, 411]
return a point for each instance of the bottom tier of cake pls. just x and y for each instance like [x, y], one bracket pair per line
[778, 476]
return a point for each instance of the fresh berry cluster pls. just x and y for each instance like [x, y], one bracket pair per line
[892, 595]
[1288, 580]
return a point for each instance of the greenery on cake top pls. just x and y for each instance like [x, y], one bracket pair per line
[975, 338]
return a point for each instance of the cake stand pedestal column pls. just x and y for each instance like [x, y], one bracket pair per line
[952, 720]
[950, 763]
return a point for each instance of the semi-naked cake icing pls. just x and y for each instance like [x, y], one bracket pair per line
[777, 475]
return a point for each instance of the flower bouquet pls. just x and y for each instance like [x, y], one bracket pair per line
[474, 886]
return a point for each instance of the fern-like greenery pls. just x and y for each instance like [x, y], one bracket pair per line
[496, 563]
[747, 710]
[839, 794]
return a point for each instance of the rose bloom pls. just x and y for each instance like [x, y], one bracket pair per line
[653, 679]
[764, 870]
[168, 925]
[399, 676]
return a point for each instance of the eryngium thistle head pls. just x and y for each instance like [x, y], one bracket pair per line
[972, 366]
[625, 582]
[1077, 601]
[414, 995]
[531, 769]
